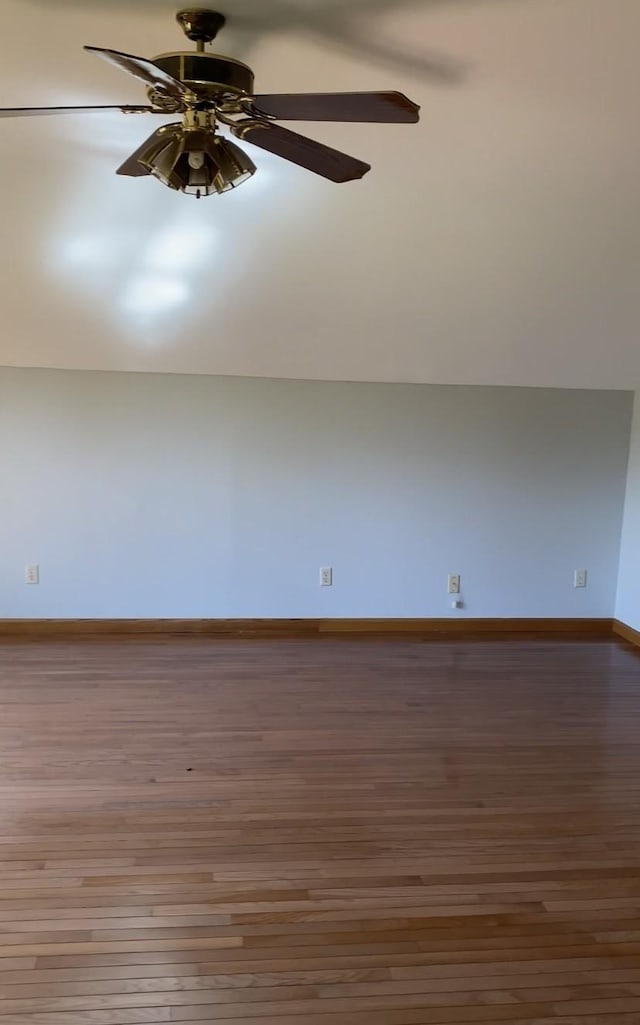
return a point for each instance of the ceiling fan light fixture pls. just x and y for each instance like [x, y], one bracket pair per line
[234, 166]
[196, 162]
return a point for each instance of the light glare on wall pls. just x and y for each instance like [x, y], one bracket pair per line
[150, 294]
[179, 247]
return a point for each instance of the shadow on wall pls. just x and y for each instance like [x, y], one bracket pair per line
[348, 27]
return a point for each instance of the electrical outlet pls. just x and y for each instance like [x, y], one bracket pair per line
[326, 576]
[454, 583]
[580, 578]
[32, 574]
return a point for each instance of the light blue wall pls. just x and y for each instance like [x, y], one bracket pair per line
[145, 496]
[628, 604]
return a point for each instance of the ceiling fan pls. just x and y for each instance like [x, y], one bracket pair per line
[209, 90]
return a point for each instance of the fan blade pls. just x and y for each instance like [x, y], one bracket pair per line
[145, 70]
[387, 107]
[132, 166]
[45, 111]
[314, 156]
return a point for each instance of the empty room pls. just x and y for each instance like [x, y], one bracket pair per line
[320, 512]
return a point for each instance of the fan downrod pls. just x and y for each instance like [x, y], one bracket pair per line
[200, 24]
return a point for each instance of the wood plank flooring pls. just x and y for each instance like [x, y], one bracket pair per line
[319, 833]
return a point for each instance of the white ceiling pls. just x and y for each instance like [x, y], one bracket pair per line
[497, 242]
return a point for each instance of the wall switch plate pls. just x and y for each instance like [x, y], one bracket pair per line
[32, 574]
[580, 578]
[454, 583]
[326, 576]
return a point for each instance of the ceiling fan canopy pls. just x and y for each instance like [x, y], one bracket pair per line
[209, 91]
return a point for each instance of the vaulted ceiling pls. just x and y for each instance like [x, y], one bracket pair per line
[496, 242]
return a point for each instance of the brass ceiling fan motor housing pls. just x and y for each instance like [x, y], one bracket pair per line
[212, 78]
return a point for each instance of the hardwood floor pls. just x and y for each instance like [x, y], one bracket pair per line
[319, 833]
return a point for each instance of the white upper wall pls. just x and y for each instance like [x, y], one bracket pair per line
[162, 496]
[494, 243]
[628, 603]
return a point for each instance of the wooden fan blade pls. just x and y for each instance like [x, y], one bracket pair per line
[144, 70]
[314, 156]
[385, 107]
[46, 111]
[132, 166]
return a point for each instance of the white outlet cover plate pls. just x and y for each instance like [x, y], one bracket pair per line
[453, 583]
